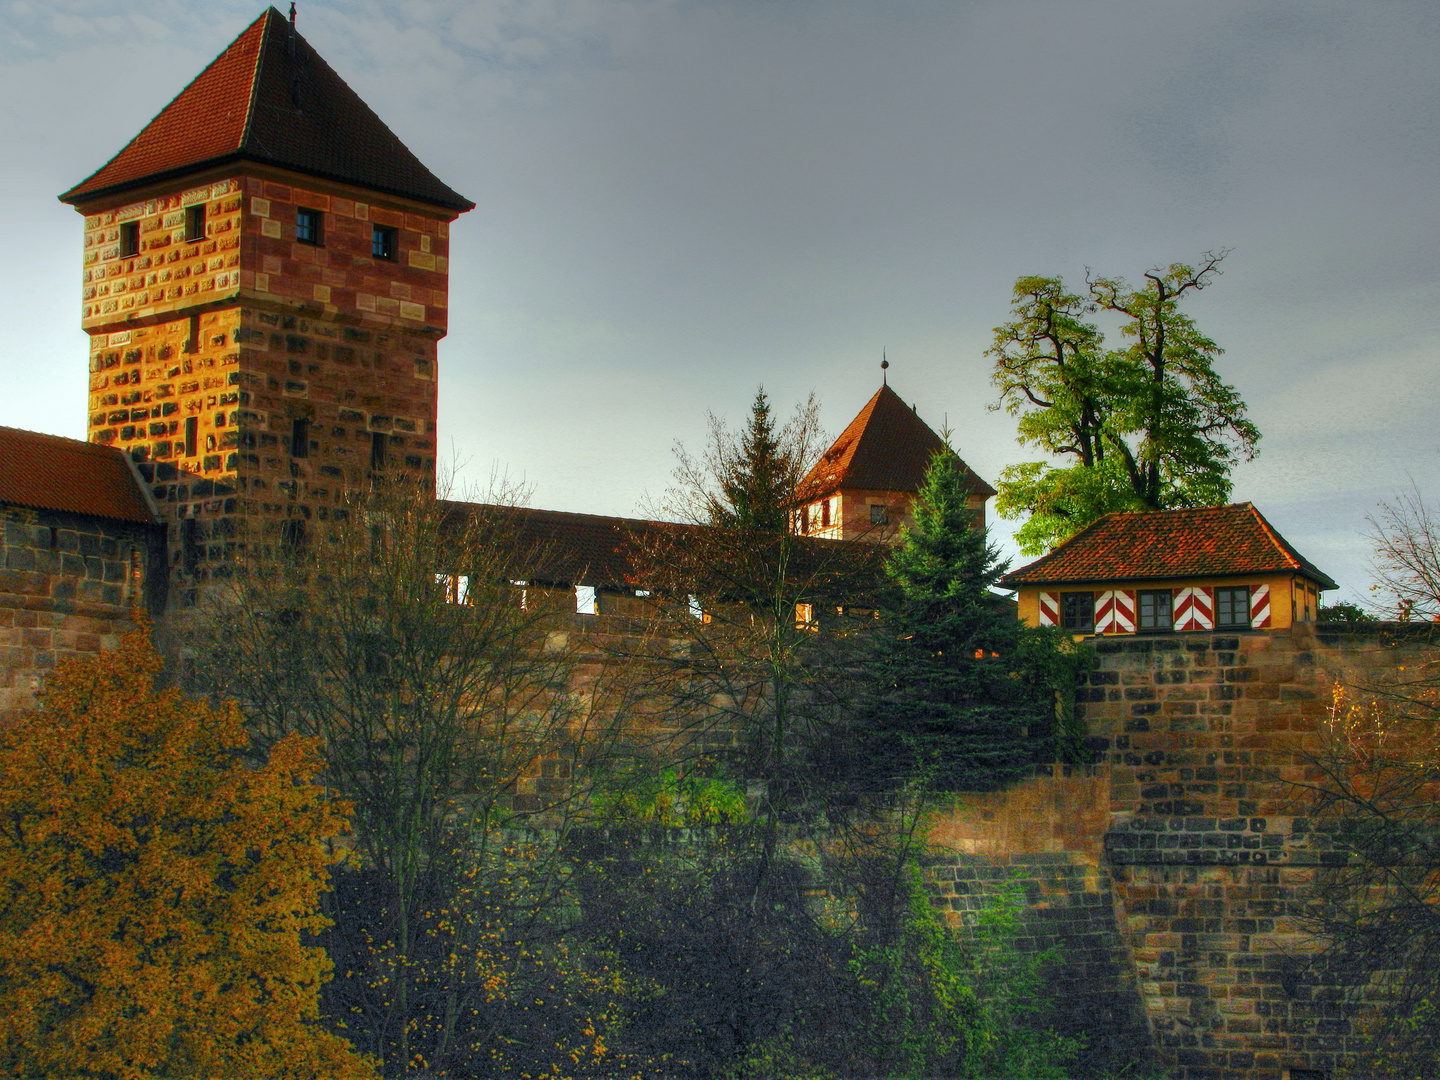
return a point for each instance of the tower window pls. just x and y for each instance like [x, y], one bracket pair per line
[377, 451]
[192, 434]
[300, 438]
[195, 223]
[129, 238]
[307, 226]
[382, 242]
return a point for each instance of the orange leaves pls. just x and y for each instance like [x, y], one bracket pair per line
[154, 887]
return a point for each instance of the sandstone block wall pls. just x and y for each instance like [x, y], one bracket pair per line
[1070, 909]
[1210, 850]
[256, 377]
[69, 585]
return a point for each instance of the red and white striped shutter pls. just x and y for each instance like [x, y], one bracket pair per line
[1125, 611]
[1195, 609]
[1260, 606]
[1115, 612]
[1105, 613]
[1204, 609]
[1048, 604]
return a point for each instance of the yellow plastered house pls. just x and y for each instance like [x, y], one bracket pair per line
[1171, 571]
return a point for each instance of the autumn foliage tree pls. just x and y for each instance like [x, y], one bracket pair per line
[155, 889]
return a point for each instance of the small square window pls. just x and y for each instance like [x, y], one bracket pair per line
[1232, 607]
[1077, 610]
[195, 223]
[1155, 610]
[129, 238]
[878, 515]
[382, 242]
[307, 226]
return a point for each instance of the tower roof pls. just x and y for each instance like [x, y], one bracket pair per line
[270, 98]
[887, 447]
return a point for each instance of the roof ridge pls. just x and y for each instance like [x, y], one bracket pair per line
[255, 74]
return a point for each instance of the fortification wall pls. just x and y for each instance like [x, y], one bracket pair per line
[69, 585]
[1209, 847]
[1172, 875]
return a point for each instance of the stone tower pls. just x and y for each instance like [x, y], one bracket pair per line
[265, 287]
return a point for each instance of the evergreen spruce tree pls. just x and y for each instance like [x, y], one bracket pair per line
[963, 695]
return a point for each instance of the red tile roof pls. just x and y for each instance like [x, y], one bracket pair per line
[1210, 541]
[887, 447]
[270, 98]
[51, 473]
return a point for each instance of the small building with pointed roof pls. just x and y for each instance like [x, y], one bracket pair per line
[864, 485]
[1166, 571]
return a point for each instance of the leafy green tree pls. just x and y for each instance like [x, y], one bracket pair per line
[1147, 426]
[965, 695]
[1343, 611]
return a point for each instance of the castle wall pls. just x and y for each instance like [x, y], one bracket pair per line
[1209, 848]
[69, 585]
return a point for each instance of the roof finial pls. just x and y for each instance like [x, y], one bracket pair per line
[292, 12]
[884, 363]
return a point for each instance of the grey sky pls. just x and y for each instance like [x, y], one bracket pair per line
[680, 201]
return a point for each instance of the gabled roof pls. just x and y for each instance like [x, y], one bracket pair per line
[1210, 541]
[50, 473]
[564, 548]
[270, 98]
[574, 548]
[887, 447]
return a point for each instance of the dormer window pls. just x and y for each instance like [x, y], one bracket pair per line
[307, 226]
[382, 242]
[194, 223]
[129, 239]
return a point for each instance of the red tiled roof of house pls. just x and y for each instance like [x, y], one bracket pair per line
[1210, 541]
[270, 98]
[50, 473]
[887, 447]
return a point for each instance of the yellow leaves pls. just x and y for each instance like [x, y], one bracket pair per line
[153, 888]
